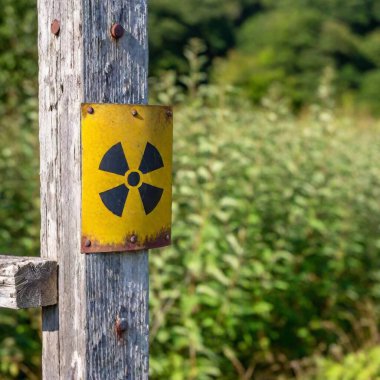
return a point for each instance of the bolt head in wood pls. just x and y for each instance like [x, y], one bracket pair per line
[117, 31]
[87, 243]
[167, 237]
[169, 113]
[134, 113]
[55, 27]
[90, 110]
[133, 239]
[123, 324]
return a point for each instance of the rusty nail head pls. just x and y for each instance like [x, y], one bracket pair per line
[133, 239]
[134, 112]
[90, 110]
[122, 324]
[87, 243]
[55, 27]
[117, 31]
[169, 113]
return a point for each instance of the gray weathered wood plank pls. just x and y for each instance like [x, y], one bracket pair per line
[84, 64]
[27, 282]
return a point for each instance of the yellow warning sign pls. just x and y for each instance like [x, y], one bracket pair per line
[126, 177]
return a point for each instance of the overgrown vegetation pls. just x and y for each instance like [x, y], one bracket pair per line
[281, 43]
[290, 42]
[19, 173]
[273, 272]
[276, 224]
[363, 365]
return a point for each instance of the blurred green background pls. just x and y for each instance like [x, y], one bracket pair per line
[274, 272]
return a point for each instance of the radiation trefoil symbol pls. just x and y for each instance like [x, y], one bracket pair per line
[115, 162]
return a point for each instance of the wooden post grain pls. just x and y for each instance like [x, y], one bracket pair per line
[99, 329]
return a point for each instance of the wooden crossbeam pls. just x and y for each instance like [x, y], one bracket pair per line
[27, 282]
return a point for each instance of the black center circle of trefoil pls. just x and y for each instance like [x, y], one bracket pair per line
[115, 162]
[133, 179]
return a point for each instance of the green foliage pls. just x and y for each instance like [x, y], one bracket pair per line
[280, 55]
[290, 43]
[19, 234]
[282, 43]
[19, 188]
[20, 345]
[171, 25]
[364, 365]
[275, 239]
[18, 54]
[370, 91]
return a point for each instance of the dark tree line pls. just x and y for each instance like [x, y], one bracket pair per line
[287, 43]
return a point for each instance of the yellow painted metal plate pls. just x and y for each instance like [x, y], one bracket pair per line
[126, 177]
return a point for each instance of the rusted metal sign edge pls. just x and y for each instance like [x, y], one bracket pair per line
[126, 177]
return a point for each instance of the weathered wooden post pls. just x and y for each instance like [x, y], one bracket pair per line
[79, 61]
[105, 188]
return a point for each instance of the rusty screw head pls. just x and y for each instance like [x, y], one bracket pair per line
[90, 110]
[55, 27]
[134, 113]
[133, 239]
[87, 243]
[121, 326]
[117, 31]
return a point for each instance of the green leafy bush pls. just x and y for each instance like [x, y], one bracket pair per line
[289, 44]
[172, 25]
[364, 365]
[20, 346]
[276, 241]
